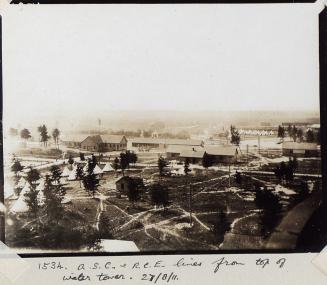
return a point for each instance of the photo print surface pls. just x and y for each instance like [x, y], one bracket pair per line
[144, 128]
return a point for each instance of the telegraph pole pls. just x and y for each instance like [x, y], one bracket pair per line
[247, 154]
[259, 143]
[229, 175]
[190, 203]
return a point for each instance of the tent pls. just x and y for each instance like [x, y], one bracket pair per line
[20, 205]
[72, 175]
[107, 168]
[25, 189]
[9, 191]
[40, 194]
[97, 170]
[65, 172]
[21, 183]
[40, 197]
[41, 185]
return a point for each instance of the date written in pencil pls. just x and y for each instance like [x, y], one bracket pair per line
[160, 277]
[153, 278]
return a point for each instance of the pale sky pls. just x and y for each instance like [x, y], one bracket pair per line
[84, 59]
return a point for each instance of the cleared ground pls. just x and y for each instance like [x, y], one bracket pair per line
[223, 214]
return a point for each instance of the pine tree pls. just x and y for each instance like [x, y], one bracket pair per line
[187, 166]
[55, 173]
[33, 175]
[235, 136]
[206, 161]
[81, 156]
[290, 131]
[134, 190]
[238, 177]
[79, 174]
[94, 161]
[116, 164]
[55, 135]
[133, 158]
[281, 132]
[53, 196]
[294, 132]
[310, 136]
[44, 134]
[25, 135]
[299, 135]
[123, 162]
[32, 201]
[16, 167]
[159, 195]
[71, 160]
[90, 180]
[162, 164]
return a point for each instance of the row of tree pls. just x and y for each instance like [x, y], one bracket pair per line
[285, 171]
[49, 227]
[297, 134]
[43, 135]
[124, 161]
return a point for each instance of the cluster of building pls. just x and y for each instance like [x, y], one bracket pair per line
[300, 149]
[180, 149]
[96, 143]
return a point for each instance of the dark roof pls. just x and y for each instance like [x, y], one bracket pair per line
[167, 141]
[130, 179]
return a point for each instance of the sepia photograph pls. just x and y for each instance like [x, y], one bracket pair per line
[162, 128]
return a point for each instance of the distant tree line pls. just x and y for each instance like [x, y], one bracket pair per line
[44, 137]
[285, 171]
[297, 134]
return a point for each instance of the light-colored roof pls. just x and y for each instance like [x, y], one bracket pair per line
[314, 126]
[21, 183]
[72, 175]
[73, 137]
[181, 148]
[20, 205]
[183, 142]
[167, 141]
[97, 170]
[41, 185]
[65, 172]
[224, 150]
[192, 153]
[112, 138]
[107, 168]
[302, 145]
